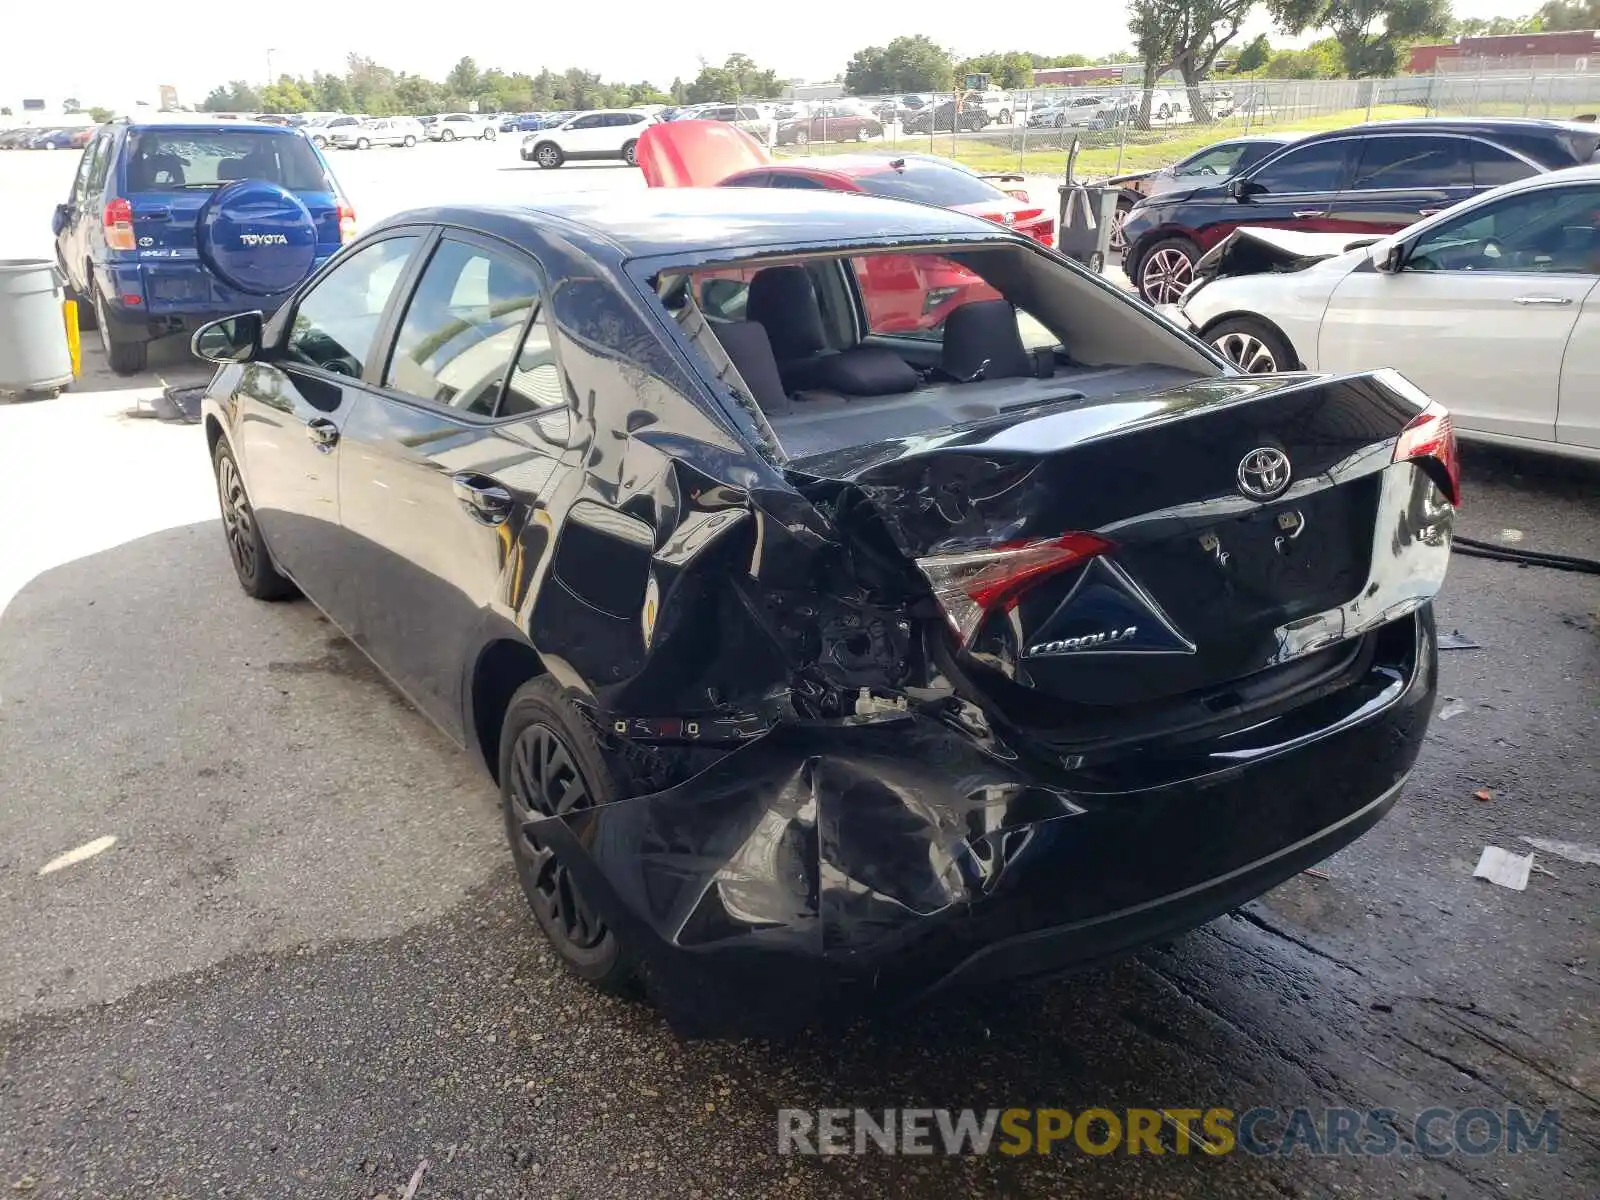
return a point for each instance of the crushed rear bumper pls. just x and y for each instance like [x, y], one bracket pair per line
[821, 869]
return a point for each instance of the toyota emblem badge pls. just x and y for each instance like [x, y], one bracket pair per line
[1264, 473]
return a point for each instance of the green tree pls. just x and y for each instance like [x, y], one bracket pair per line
[907, 64]
[100, 115]
[415, 95]
[1370, 33]
[738, 78]
[1321, 60]
[1255, 54]
[1185, 36]
[331, 92]
[1563, 15]
[237, 96]
[1008, 70]
[1060, 60]
[288, 95]
[463, 78]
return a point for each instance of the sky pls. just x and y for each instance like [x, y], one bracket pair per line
[638, 39]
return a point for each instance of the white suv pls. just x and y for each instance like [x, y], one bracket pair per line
[380, 131]
[452, 127]
[605, 133]
[321, 132]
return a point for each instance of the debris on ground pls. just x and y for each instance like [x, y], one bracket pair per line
[175, 405]
[1504, 869]
[1450, 708]
[1315, 873]
[1456, 640]
[1571, 851]
[1483, 794]
[1511, 535]
[416, 1181]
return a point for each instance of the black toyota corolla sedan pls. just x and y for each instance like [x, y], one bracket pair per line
[822, 656]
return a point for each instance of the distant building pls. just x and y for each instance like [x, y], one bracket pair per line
[1079, 76]
[1577, 50]
[796, 90]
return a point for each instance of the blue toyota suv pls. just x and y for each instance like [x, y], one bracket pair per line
[171, 225]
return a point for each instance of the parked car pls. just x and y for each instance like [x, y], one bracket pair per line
[759, 125]
[379, 131]
[943, 118]
[170, 224]
[14, 139]
[1488, 306]
[603, 134]
[830, 123]
[1367, 179]
[321, 132]
[456, 127]
[53, 139]
[1221, 160]
[981, 659]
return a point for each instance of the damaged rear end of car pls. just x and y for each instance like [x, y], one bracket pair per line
[1060, 641]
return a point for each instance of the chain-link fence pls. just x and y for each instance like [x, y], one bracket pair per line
[1125, 129]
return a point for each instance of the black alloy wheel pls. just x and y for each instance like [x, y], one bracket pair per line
[252, 563]
[551, 768]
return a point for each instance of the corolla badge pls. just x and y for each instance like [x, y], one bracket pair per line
[1087, 641]
[1264, 473]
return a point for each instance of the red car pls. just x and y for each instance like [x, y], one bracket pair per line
[903, 293]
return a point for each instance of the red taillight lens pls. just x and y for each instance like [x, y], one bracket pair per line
[972, 584]
[347, 224]
[119, 225]
[1431, 437]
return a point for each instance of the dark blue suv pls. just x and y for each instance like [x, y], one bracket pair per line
[171, 225]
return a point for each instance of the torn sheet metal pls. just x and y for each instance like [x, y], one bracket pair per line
[1255, 250]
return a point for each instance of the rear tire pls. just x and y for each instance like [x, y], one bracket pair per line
[550, 766]
[449, 135]
[489, 135]
[630, 154]
[252, 562]
[1252, 345]
[409, 142]
[127, 356]
[363, 144]
[1166, 269]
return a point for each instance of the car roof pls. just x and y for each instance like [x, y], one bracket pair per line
[655, 221]
[211, 127]
[1482, 125]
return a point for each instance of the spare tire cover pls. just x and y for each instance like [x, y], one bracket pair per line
[258, 237]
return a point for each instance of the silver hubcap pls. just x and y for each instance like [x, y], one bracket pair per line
[1247, 352]
[1166, 273]
[547, 156]
[238, 523]
[1118, 243]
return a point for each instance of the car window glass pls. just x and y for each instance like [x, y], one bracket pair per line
[336, 322]
[1550, 230]
[801, 182]
[1492, 166]
[80, 182]
[1217, 160]
[459, 337]
[1413, 162]
[1318, 168]
[193, 159]
[101, 167]
[910, 295]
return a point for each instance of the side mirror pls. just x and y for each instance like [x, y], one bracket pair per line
[1387, 256]
[231, 340]
[1243, 189]
[59, 219]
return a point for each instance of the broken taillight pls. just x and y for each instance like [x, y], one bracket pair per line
[971, 584]
[1431, 438]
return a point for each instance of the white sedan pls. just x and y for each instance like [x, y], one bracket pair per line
[1491, 307]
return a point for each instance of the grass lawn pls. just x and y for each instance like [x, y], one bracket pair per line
[1144, 150]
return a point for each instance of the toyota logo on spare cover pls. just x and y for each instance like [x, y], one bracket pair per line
[1264, 473]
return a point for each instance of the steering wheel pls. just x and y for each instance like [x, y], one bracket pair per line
[1207, 169]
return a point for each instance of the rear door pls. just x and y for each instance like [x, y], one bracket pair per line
[442, 468]
[293, 411]
[1401, 178]
[1482, 311]
[85, 212]
[1578, 407]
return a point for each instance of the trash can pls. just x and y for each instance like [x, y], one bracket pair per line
[34, 355]
[1088, 216]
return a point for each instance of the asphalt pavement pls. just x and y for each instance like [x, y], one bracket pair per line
[304, 968]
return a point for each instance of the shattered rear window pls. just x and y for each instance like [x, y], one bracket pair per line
[169, 160]
[929, 183]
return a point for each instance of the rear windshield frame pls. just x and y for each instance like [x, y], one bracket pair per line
[285, 156]
[929, 183]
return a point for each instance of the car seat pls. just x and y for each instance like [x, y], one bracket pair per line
[783, 301]
[981, 341]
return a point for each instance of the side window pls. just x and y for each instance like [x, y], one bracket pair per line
[80, 182]
[1318, 168]
[802, 182]
[459, 338]
[1550, 231]
[1413, 162]
[751, 179]
[1492, 166]
[592, 121]
[1218, 160]
[101, 166]
[335, 324]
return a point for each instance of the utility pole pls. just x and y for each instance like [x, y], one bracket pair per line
[271, 50]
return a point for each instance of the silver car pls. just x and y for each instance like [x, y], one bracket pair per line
[453, 127]
[380, 131]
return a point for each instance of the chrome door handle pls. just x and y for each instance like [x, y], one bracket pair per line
[483, 499]
[1305, 213]
[1553, 301]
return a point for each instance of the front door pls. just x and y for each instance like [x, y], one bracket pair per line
[294, 407]
[1481, 312]
[443, 468]
[1296, 190]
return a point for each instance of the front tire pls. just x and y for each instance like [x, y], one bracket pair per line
[548, 155]
[1005, 116]
[320, 142]
[1166, 270]
[630, 154]
[363, 144]
[449, 135]
[409, 142]
[252, 562]
[1252, 345]
[489, 135]
[551, 767]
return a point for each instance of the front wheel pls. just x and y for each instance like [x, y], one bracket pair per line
[1119, 243]
[630, 154]
[551, 769]
[1005, 116]
[363, 144]
[320, 142]
[1252, 345]
[548, 155]
[802, 138]
[252, 563]
[409, 142]
[449, 135]
[488, 135]
[1167, 270]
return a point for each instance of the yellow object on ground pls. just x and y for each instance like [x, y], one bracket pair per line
[69, 314]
